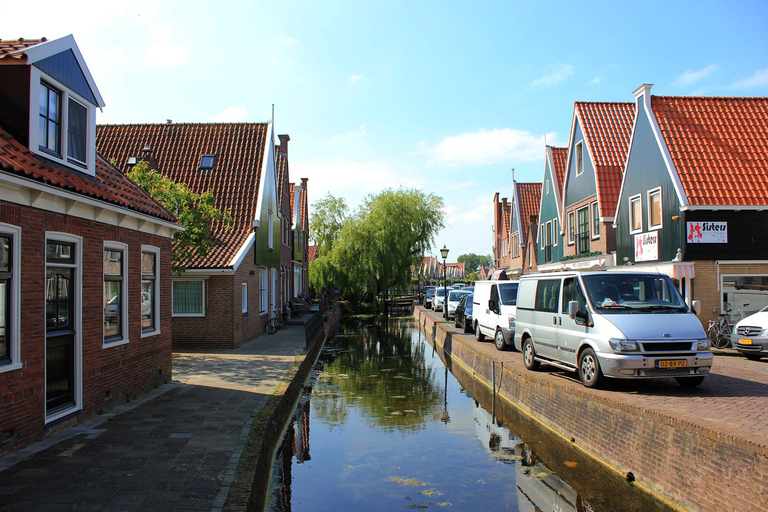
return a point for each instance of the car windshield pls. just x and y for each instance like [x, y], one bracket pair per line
[508, 293]
[456, 295]
[430, 293]
[622, 291]
[440, 292]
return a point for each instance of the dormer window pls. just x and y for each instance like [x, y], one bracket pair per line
[206, 162]
[50, 119]
[132, 161]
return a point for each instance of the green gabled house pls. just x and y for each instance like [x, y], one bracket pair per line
[550, 239]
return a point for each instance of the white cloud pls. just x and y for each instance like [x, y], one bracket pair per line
[594, 81]
[488, 147]
[483, 212]
[690, 76]
[233, 114]
[560, 72]
[355, 78]
[759, 79]
[289, 41]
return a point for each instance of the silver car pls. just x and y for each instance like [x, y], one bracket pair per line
[750, 335]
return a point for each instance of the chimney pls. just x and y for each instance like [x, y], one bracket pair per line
[284, 144]
[304, 183]
[168, 121]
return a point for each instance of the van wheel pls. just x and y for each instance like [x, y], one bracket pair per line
[589, 369]
[499, 340]
[689, 382]
[529, 355]
[479, 335]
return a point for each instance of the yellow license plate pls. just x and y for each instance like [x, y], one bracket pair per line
[743, 341]
[671, 363]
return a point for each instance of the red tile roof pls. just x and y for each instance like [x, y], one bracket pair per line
[311, 253]
[607, 128]
[719, 147]
[108, 185]
[14, 48]
[176, 148]
[528, 196]
[560, 161]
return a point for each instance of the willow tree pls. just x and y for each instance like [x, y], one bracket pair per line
[377, 246]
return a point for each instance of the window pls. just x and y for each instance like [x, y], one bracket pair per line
[50, 119]
[114, 297]
[571, 228]
[188, 298]
[572, 291]
[263, 287]
[77, 132]
[244, 297]
[149, 290]
[595, 220]
[579, 156]
[635, 214]
[542, 241]
[582, 215]
[207, 161]
[547, 295]
[10, 312]
[654, 209]
[270, 230]
[554, 233]
[547, 187]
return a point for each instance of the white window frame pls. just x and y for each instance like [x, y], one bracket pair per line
[554, 232]
[542, 236]
[202, 291]
[125, 338]
[244, 297]
[636, 199]
[37, 77]
[594, 227]
[571, 229]
[579, 155]
[156, 306]
[263, 290]
[651, 193]
[14, 340]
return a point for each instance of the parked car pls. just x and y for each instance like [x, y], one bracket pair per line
[494, 311]
[750, 335]
[626, 325]
[458, 286]
[428, 297]
[438, 299]
[463, 315]
[454, 296]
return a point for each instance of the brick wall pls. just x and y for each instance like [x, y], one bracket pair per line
[110, 375]
[605, 244]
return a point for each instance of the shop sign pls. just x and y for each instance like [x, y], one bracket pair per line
[707, 232]
[647, 246]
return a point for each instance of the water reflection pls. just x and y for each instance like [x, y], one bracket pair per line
[394, 428]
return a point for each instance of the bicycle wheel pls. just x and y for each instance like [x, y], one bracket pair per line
[712, 333]
[721, 340]
[272, 326]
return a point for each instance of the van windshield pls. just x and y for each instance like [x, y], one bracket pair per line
[508, 293]
[623, 291]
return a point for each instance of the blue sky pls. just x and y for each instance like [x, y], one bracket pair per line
[446, 97]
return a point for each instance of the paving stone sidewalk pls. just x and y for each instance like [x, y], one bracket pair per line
[174, 449]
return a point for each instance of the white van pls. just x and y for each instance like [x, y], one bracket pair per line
[493, 308]
[628, 325]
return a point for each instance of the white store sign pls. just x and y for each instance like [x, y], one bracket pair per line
[707, 232]
[647, 246]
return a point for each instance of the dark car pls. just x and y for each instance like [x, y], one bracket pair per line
[463, 315]
[428, 298]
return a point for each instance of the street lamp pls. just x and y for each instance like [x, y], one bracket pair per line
[444, 254]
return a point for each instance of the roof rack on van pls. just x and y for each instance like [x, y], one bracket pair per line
[499, 275]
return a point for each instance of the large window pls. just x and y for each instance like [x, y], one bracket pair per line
[654, 209]
[582, 215]
[50, 119]
[188, 297]
[149, 290]
[113, 299]
[263, 290]
[635, 214]
[7, 347]
[77, 132]
[748, 293]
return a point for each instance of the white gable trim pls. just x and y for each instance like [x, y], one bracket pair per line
[267, 165]
[240, 256]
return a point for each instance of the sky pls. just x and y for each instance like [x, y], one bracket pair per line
[446, 97]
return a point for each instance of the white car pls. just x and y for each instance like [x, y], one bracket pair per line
[438, 299]
[750, 335]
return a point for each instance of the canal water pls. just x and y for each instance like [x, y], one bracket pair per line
[385, 424]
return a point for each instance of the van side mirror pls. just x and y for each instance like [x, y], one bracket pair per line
[696, 307]
[493, 306]
[575, 314]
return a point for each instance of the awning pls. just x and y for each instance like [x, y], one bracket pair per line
[674, 269]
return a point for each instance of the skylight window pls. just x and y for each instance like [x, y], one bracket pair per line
[206, 161]
[131, 161]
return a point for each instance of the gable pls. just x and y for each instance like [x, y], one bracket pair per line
[578, 187]
[65, 68]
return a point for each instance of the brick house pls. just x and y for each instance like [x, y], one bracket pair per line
[694, 199]
[598, 144]
[83, 251]
[501, 250]
[550, 239]
[523, 224]
[300, 230]
[226, 298]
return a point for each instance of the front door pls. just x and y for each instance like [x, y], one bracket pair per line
[60, 331]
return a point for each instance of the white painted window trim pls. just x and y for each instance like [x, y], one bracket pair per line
[123, 248]
[263, 290]
[579, 155]
[554, 232]
[188, 315]
[77, 241]
[14, 340]
[542, 236]
[636, 198]
[571, 228]
[156, 305]
[244, 297]
[652, 227]
[592, 208]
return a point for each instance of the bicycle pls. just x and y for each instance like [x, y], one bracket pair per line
[273, 324]
[719, 331]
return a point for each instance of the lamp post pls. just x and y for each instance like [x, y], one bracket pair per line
[444, 254]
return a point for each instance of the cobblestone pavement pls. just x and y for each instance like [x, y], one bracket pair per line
[175, 449]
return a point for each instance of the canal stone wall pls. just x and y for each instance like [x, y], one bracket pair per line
[684, 463]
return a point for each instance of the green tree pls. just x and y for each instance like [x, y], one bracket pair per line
[327, 219]
[471, 261]
[197, 213]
